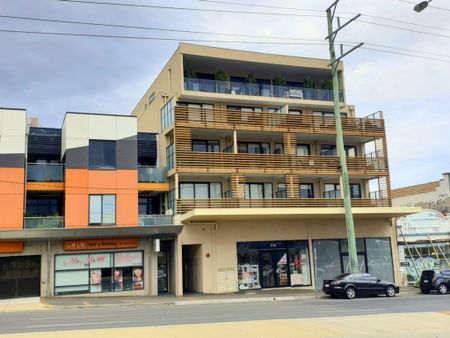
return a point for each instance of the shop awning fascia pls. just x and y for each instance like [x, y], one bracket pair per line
[218, 214]
[30, 235]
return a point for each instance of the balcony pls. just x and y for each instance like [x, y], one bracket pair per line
[372, 125]
[147, 174]
[257, 89]
[47, 222]
[185, 205]
[149, 220]
[45, 172]
[275, 163]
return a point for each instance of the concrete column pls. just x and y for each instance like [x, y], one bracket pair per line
[235, 147]
[178, 254]
[153, 269]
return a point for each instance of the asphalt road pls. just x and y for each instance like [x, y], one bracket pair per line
[156, 315]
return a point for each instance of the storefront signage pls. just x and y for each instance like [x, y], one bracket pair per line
[16, 247]
[100, 244]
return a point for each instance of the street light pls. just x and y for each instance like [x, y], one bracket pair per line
[421, 6]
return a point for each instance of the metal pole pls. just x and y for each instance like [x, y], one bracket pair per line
[345, 187]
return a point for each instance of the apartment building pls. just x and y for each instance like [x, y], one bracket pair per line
[424, 238]
[248, 140]
[82, 208]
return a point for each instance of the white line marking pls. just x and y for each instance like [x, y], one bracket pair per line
[77, 324]
[73, 317]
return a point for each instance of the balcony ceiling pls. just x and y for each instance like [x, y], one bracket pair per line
[214, 215]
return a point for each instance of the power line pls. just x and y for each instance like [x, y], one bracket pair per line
[121, 4]
[240, 12]
[203, 32]
[203, 40]
[320, 11]
[430, 6]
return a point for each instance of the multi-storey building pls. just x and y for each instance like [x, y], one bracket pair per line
[81, 208]
[249, 144]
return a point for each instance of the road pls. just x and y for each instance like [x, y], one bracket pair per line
[157, 315]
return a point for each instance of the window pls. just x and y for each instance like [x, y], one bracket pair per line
[333, 190]
[306, 190]
[282, 191]
[245, 109]
[170, 157]
[102, 154]
[206, 146]
[278, 148]
[328, 113]
[274, 110]
[200, 190]
[330, 150]
[167, 115]
[303, 150]
[102, 209]
[149, 205]
[253, 148]
[258, 190]
[295, 111]
[43, 206]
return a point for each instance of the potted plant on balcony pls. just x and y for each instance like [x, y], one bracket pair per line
[308, 84]
[251, 84]
[327, 86]
[280, 89]
[223, 82]
[189, 75]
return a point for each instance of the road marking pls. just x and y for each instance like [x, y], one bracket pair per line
[351, 310]
[73, 317]
[77, 324]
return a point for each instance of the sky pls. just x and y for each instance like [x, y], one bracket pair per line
[50, 75]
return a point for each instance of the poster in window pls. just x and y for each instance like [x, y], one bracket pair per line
[101, 260]
[72, 262]
[118, 280]
[96, 280]
[132, 258]
[248, 276]
[138, 279]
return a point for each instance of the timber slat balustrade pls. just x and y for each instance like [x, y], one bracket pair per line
[281, 163]
[185, 205]
[221, 118]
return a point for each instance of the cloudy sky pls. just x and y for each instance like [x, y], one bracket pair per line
[49, 75]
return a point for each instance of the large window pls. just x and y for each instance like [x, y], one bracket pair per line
[167, 115]
[170, 157]
[200, 190]
[43, 206]
[102, 209]
[206, 146]
[254, 147]
[99, 272]
[258, 190]
[379, 258]
[331, 150]
[333, 190]
[303, 150]
[306, 190]
[102, 154]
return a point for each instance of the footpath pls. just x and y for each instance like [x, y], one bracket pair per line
[72, 302]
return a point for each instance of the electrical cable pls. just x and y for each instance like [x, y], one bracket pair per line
[430, 6]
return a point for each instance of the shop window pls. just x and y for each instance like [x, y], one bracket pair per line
[298, 258]
[248, 266]
[102, 154]
[327, 260]
[102, 209]
[379, 258]
[98, 272]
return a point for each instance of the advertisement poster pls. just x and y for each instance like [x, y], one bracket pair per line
[96, 280]
[138, 279]
[118, 280]
[248, 276]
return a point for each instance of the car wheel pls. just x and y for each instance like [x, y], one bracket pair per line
[390, 291]
[350, 292]
[425, 292]
[442, 289]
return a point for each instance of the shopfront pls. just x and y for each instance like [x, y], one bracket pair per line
[273, 264]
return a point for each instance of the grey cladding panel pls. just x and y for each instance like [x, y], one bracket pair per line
[77, 158]
[126, 153]
[12, 160]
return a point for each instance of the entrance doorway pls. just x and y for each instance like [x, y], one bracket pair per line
[163, 284]
[274, 265]
[192, 268]
[20, 276]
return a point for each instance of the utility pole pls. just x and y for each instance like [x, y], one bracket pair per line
[345, 186]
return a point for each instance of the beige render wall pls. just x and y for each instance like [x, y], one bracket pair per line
[219, 241]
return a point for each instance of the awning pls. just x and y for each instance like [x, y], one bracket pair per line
[214, 215]
[29, 235]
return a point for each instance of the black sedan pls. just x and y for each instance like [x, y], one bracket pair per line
[352, 285]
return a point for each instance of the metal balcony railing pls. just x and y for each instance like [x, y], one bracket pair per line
[45, 222]
[257, 89]
[147, 174]
[45, 172]
[148, 220]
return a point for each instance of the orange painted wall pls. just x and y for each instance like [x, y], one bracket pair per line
[80, 183]
[11, 198]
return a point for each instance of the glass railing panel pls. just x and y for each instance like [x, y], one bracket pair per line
[45, 172]
[152, 174]
[47, 222]
[148, 220]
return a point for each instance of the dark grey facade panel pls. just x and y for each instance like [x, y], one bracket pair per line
[147, 149]
[126, 154]
[77, 158]
[12, 160]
